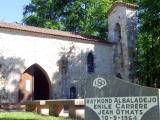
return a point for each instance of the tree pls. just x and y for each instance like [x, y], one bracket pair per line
[148, 44]
[87, 17]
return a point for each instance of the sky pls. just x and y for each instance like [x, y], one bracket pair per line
[12, 10]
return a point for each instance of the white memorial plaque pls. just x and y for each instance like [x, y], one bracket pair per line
[121, 108]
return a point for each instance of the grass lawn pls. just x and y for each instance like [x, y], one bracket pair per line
[28, 116]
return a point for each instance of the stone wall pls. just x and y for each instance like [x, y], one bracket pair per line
[63, 59]
[126, 18]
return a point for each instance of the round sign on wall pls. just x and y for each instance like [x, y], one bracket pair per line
[99, 82]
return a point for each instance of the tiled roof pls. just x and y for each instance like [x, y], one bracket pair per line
[14, 26]
[128, 5]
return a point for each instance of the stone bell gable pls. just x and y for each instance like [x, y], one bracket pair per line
[122, 21]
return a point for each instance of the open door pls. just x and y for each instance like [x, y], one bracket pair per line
[34, 84]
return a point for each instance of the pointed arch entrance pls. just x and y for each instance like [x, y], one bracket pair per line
[34, 84]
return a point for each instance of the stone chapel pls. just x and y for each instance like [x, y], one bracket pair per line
[40, 64]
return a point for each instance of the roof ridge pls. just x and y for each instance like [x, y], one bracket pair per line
[48, 31]
[18, 26]
[128, 4]
[120, 3]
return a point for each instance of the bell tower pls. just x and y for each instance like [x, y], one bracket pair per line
[122, 21]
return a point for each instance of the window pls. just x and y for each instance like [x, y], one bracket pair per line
[90, 63]
[73, 93]
[119, 46]
[119, 75]
[117, 32]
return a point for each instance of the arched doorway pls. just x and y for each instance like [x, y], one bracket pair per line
[34, 84]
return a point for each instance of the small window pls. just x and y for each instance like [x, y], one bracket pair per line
[73, 93]
[119, 75]
[119, 47]
[117, 32]
[90, 63]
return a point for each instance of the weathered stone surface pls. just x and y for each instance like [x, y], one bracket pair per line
[133, 101]
[19, 50]
[64, 59]
[125, 40]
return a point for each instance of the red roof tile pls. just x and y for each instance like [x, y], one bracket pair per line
[128, 5]
[27, 28]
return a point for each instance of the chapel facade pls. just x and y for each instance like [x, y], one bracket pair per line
[41, 64]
